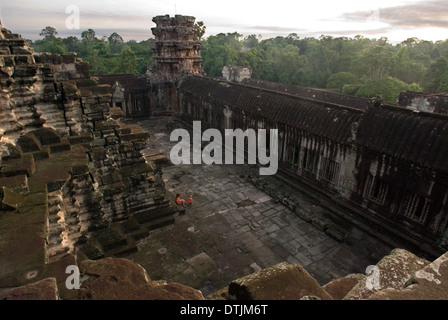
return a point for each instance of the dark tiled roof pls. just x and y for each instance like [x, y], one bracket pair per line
[315, 94]
[315, 117]
[417, 137]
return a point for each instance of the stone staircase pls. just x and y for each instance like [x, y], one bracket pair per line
[73, 181]
[120, 238]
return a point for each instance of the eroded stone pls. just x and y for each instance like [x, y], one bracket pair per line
[281, 282]
[394, 271]
[121, 279]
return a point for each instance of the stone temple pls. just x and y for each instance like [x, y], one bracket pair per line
[77, 189]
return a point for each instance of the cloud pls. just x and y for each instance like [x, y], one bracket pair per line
[274, 29]
[423, 19]
[424, 14]
[28, 23]
[352, 32]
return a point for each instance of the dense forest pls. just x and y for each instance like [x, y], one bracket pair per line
[355, 66]
[106, 55]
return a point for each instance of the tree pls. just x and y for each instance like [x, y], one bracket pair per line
[54, 46]
[127, 62]
[443, 84]
[338, 80]
[350, 89]
[221, 50]
[436, 74]
[401, 64]
[323, 62]
[251, 41]
[375, 62]
[50, 43]
[143, 51]
[319, 64]
[389, 88]
[48, 32]
[88, 39]
[116, 43]
[201, 27]
[95, 62]
[410, 42]
[290, 65]
[71, 44]
[254, 59]
[88, 35]
[143, 48]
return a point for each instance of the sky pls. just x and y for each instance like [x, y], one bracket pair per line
[132, 19]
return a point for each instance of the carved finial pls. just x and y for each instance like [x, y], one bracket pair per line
[377, 101]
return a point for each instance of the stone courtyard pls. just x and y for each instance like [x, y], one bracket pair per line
[234, 229]
[81, 188]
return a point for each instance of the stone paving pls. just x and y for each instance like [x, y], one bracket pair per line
[234, 229]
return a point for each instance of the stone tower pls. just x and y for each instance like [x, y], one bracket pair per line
[176, 49]
[176, 55]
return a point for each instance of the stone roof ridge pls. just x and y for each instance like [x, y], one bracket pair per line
[390, 106]
[394, 107]
[436, 94]
[325, 103]
[298, 90]
[329, 104]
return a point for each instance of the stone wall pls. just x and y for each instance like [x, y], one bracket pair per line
[435, 103]
[382, 163]
[130, 93]
[74, 183]
[400, 275]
